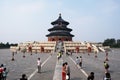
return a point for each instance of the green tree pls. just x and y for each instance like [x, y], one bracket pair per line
[118, 43]
[109, 42]
[7, 45]
[112, 43]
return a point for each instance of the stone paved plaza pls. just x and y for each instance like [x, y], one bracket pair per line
[28, 65]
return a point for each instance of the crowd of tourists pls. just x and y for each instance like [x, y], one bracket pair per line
[79, 61]
[65, 69]
[91, 75]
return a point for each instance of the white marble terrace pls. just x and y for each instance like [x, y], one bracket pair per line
[49, 47]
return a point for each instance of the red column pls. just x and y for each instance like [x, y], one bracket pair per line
[89, 50]
[77, 49]
[42, 49]
[30, 49]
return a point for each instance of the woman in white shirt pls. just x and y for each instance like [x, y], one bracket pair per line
[39, 65]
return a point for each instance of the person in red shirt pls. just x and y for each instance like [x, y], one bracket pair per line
[64, 71]
[67, 71]
[1, 71]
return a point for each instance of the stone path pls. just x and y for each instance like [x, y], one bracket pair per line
[51, 67]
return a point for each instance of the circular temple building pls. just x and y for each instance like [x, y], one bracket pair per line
[60, 32]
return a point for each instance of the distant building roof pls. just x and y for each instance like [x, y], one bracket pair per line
[60, 34]
[59, 28]
[59, 20]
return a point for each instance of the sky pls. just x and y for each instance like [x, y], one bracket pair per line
[29, 20]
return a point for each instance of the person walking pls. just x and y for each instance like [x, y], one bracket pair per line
[106, 65]
[64, 71]
[91, 76]
[24, 77]
[4, 74]
[107, 76]
[67, 70]
[58, 56]
[39, 65]
[80, 61]
[77, 61]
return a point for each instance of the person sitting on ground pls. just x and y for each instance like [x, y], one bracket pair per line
[107, 76]
[91, 76]
[24, 77]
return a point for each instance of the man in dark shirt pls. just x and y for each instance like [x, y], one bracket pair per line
[91, 76]
[23, 77]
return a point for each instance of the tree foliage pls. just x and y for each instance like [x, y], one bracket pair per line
[108, 42]
[6, 45]
[112, 43]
